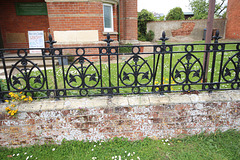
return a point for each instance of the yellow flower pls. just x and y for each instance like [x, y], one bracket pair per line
[156, 82]
[157, 89]
[9, 112]
[11, 93]
[7, 101]
[14, 111]
[13, 105]
[30, 98]
[20, 92]
[26, 99]
[7, 108]
[23, 97]
[12, 114]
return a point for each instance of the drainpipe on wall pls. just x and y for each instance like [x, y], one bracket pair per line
[118, 9]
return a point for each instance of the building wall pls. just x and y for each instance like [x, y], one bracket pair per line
[233, 20]
[69, 16]
[133, 117]
[128, 21]
[14, 29]
[88, 15]
[184, 29]
[80, 16]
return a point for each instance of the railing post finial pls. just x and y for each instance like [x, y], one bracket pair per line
[163, 38]
[216, 37]
[108, 40]
[50, 40]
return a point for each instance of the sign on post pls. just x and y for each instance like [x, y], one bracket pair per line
[36, 40]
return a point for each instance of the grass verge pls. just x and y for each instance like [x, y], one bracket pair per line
[218, 145]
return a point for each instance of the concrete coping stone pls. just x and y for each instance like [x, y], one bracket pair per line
[123, 101]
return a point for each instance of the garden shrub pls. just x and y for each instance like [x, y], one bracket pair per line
[126, 49]
[150, 35]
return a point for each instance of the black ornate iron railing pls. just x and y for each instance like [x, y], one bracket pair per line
[116, 70]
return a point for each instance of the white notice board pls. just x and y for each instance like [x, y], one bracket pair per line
[36, 40]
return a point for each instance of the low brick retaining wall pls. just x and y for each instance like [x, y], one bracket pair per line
[134, 117]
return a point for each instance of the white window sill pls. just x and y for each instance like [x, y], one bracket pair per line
[111, 33]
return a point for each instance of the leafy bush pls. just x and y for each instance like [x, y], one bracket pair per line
[150, 35]
[71, 58]
[143, 18]
[141, 37]
[126, 49]
[175, 14]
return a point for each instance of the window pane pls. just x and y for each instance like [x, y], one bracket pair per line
[107, 17]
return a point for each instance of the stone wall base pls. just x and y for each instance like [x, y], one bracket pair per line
[133, 117]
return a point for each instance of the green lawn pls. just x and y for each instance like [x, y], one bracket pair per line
[216, 146]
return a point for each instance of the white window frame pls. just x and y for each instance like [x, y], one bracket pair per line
[112, 28]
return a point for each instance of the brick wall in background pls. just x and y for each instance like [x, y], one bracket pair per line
[185, 30]
[14, 29]
[233, 20]
[134, 117]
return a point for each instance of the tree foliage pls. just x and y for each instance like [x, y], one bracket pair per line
[175, 14]
[220, 8]
[200, 8]
[162, 18]
[143, 18]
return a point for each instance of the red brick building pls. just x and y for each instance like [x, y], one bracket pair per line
[233, 20]
[71, 22]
